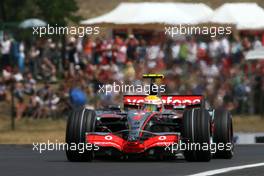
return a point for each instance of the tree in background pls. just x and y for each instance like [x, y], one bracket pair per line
[52, 11]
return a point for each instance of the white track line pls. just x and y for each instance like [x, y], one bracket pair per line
[228, 169]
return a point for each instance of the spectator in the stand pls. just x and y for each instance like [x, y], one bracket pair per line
[14, 53]
[224, 47]
[21, 57]
[131, 47]
[34, 60]
[5, 46]
[210, 69]
[37, 104]
[33, 106]
[88, 49]
[141, 50]
[129, 72]
[3, 90]
[107, 51]
[18, 76]
[48, 68]
[72, 55]
[7, 74]
[246, 44]
[18, 55]
[214, 50]
[257, 43]
[202, 51]
[97, 51]
[183, 53]
[117, 74]
[120, 51]
[19, 91]
[79, 44]
[29, 84]
[153, 51]
[192, 51]
[20, 108]
[53, 102]
[54, 58]
[236, 51]
[175, 48]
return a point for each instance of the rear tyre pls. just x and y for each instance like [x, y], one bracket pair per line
[196, 131]
[223, 134]
[79, 122]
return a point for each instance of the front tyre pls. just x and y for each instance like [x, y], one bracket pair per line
[79, 122]
[223, 134]
[196, 132]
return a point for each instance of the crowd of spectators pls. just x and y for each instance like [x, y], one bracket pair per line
[42, 77]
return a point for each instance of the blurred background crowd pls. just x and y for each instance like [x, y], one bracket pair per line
[46, 83]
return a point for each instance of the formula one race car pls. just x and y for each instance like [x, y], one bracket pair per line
[152, 125]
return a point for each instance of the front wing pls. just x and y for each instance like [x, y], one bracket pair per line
[111, 140]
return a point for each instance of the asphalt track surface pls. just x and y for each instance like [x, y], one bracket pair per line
[20, 160]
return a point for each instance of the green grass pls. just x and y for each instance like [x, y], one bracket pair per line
[28, 131]
[248, 124]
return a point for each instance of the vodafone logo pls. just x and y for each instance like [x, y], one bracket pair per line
[182, 101]
[108, 138]
[169, 100]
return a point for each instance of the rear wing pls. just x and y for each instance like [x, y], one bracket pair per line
[169, 101]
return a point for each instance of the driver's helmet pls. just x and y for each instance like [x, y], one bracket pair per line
[152, 103]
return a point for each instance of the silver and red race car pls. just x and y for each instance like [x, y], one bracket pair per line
[159, 126]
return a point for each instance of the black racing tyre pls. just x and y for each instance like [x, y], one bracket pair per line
[223, 134]
[79, 122]
[196, 131]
